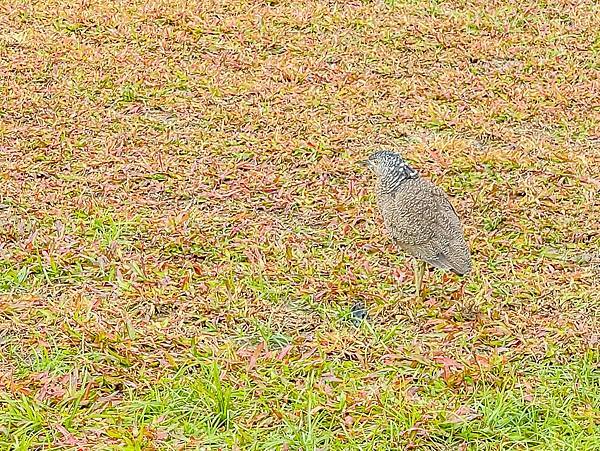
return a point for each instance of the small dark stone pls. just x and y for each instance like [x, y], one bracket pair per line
[358, 313]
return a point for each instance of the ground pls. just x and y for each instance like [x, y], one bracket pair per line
[184, 227]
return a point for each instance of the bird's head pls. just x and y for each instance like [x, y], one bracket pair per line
[386, 162]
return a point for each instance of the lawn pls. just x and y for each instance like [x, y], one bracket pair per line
[184, 227]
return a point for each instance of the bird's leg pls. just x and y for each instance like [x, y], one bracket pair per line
[419, 269]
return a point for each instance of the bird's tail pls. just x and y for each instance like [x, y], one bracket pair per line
[459, 261]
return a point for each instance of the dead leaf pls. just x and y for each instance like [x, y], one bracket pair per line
[462, 415]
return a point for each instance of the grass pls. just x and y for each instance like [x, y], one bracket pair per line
[184, 228]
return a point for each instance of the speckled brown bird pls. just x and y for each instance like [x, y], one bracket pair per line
[419, 217]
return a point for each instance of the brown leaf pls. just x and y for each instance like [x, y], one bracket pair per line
[462, 415]
[284, 351]
[257, 352]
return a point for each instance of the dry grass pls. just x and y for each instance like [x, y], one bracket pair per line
[183, 228]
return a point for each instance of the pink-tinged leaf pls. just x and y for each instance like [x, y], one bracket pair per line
[161, 434]
[462, 415]
[68, 438]
[591, 181]
[257, 352]
[390, 358]
[448, 366]
[320, 295]
[435, 155]
[284, 351]
[329, 377]
[159, 419]
[399, 275]
[244, 353]
[308, 353]
[447, 361]
[482, 361]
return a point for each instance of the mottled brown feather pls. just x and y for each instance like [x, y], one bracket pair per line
[423, 223]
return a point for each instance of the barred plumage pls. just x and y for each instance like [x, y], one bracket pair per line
[418, 215]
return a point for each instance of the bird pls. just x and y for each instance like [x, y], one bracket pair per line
[418, 216]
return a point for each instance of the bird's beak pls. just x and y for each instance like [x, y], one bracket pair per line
[363, 163]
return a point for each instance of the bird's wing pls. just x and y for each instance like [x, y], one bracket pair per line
[451, 249]
[419, 213]
[408, 227]
[424, 224]
[442, 261]
[446, 217]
